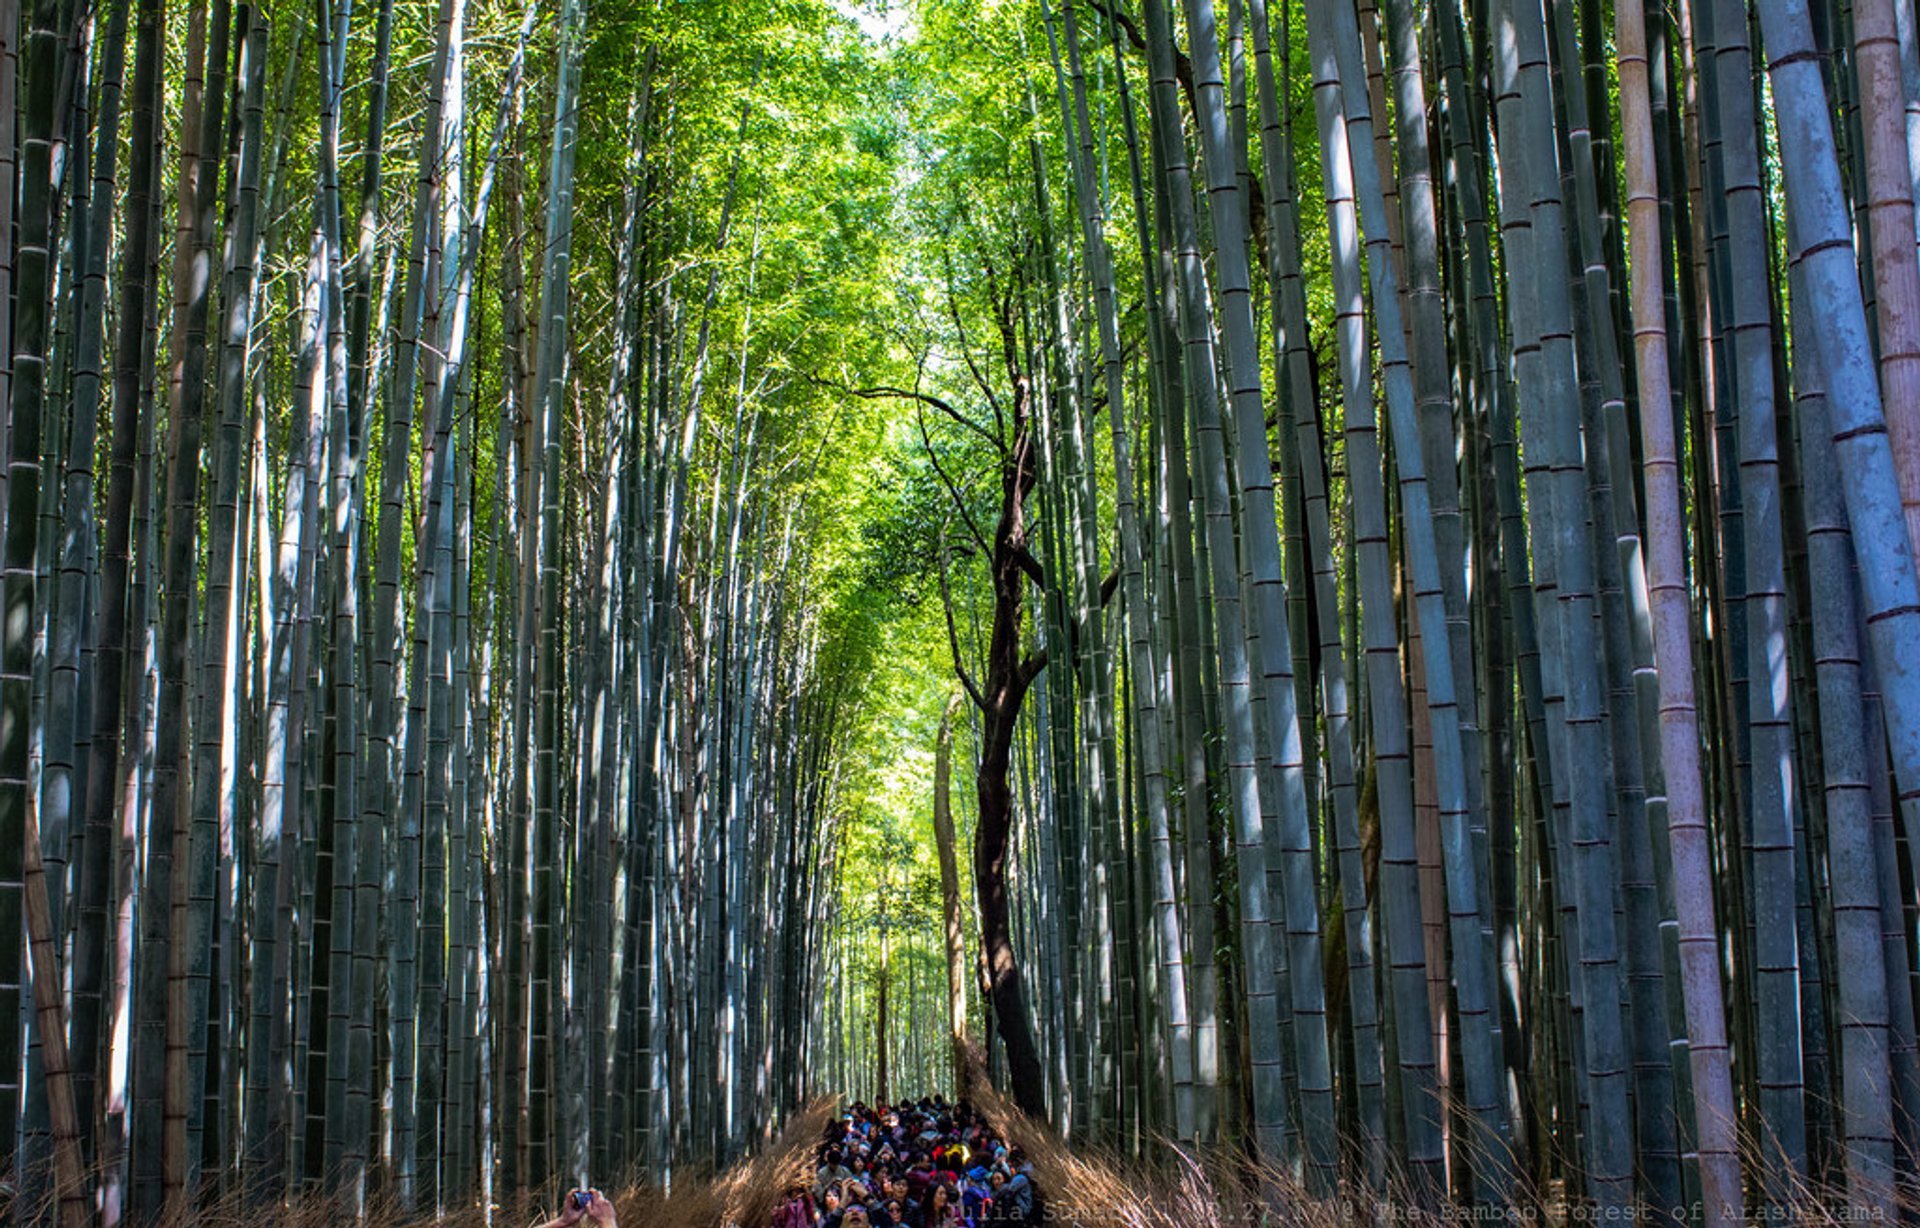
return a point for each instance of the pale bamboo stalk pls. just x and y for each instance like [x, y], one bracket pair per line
[1149, 739]
[1260, 545]
[1818, 242]
[1334, 39]
[1890, 207]
[1257, 939]
[96, 874]
[1866, 1076]
[1295, 387]
[1688, 848]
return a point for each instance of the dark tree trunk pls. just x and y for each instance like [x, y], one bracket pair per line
[1008, 675]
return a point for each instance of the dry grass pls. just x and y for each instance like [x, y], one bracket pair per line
[1222, 1189]
[1185, 1190]
[746, 1194]
[1080, 1188]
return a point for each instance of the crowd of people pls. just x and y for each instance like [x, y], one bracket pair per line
[917, 1164]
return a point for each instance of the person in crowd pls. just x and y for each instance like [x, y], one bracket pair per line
[941, 1208]
[975, 1195]
[833, 1169]
[1017, 1193]
[914, 1163]
[798, 1210]
[999, 1204]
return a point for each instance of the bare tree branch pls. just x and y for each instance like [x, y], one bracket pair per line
[883, 391]
[953, 491]
[953, 632]
[966, 346]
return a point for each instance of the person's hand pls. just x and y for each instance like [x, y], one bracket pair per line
[600, 1210]
[571, 1212]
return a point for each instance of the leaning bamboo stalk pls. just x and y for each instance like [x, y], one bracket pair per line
[385, 728]
[1692, 873]
[1192, 1107]
[1847, 745]
[1819, 241]
[1417, 267]
[1890, 208]
[1235, 682]
[1181, 574]
[1377, 636]
[69, 1174]
[1504, 534]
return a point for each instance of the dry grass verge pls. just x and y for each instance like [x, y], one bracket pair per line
[1180, 1188]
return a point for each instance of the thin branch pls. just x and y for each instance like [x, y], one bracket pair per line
[882, 391]
[953, 491]
[966, 346]
[953, 632]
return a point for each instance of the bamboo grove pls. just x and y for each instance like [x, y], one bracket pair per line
[1385, 536]
[417, 698]
[1425, 509]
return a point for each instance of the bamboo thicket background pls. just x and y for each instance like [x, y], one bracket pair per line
[1335, 580]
